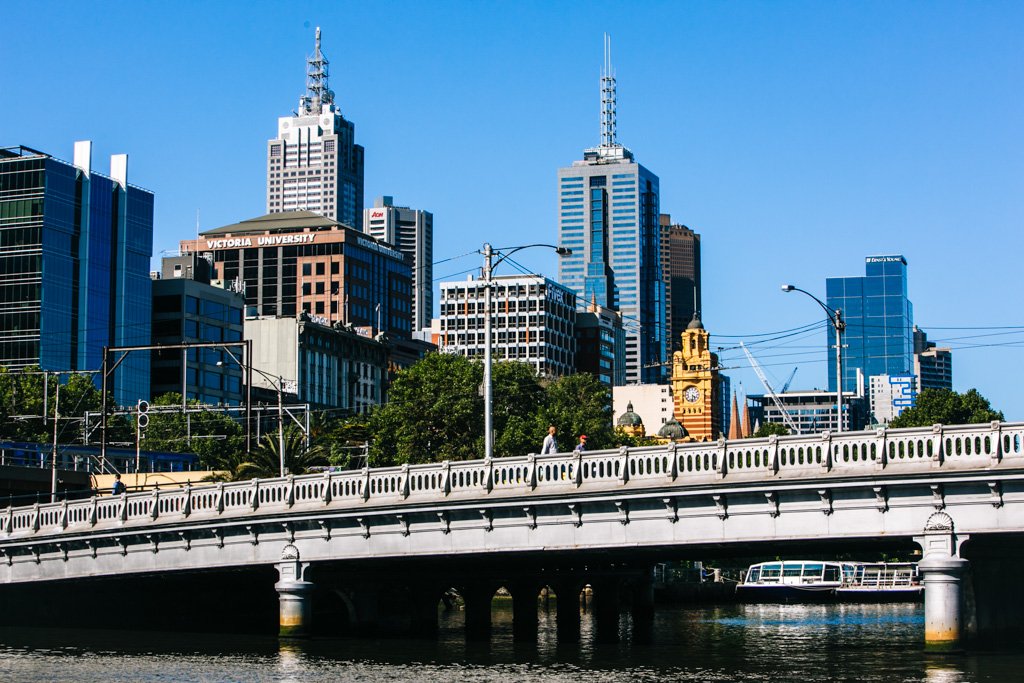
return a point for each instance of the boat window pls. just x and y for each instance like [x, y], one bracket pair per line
[831, 573]
[792, 570]
[771, 571]
[813, 570]
[754, 574]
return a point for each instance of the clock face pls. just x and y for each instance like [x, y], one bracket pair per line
[691, 394]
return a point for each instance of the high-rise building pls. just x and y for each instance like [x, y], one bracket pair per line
[314, 163]
[878, 339]
[680, 264]
[601, 345]
[411, 231]
[608, 215]
[933, 365]
[812, 411]
[92, 237]
[890, 396]
[300, 262]
[187, 308]
[532, 322]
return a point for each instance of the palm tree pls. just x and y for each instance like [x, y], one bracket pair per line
[265, 461]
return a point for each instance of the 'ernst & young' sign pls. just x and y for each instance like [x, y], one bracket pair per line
[262, 241]
[884, 259]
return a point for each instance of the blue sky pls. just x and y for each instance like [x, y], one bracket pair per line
[796, 138]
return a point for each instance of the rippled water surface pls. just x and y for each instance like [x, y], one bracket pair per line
[769, 643]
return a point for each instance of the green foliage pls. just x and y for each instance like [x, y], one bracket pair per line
[769, 428]
[944, 406]
[210, 434]
[580, 404]
[622, 438]
[434, 412]
[23, 402]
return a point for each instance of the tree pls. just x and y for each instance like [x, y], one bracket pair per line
[580, 404]
[211, 434]
[434, 412]
[769, 428]
[23, 402]
[945, 406]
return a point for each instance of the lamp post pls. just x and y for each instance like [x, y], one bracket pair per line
[835, 317]
[489, 265]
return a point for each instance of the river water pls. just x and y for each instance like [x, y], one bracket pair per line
[764, 643]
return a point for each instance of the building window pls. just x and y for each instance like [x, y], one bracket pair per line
[307, 269]
[320, 268]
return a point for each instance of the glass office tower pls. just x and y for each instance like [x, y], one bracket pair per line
[879, 337]
[608, 216]
[74, 266]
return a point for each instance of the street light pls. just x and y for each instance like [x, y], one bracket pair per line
[835, 317]
[489, 267]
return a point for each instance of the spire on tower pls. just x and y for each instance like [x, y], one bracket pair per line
[608, 97]
[317, 92]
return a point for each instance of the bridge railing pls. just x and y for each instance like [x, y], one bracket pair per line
[784, 458]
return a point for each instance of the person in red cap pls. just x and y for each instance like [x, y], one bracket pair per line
[582, 445]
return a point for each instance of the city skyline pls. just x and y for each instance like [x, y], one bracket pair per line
[796, 139]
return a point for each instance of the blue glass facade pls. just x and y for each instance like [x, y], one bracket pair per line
[879, 338]
[74, 269]
[608, 216]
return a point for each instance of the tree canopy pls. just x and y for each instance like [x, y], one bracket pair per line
[769, 428]
[945, 406]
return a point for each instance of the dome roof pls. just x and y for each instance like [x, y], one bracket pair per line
[629, 418]
[672, 430]
[695, 324]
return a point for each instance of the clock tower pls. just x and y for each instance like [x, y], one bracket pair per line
[695, 384]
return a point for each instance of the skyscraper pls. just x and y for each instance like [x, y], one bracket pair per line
[92, 237]
[314, 164]
[879, 317]
[680, 263]
[411, 231]
[608, 216]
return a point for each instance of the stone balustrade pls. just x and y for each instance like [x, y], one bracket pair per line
[788, 458]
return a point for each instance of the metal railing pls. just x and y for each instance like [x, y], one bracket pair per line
[775, 459]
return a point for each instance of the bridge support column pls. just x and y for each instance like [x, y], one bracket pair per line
[567, 611]
[643, 608]
[295, 595]
[478, 611]
[606, 610]
[942, 573]
[524, 612]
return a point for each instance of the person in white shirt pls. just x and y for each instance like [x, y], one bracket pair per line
[549, 442]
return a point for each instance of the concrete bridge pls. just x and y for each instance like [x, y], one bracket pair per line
[376, 548]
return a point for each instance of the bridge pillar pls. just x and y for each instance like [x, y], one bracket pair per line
[606, 610]
[295, 595]
[942, 573]
[643, 607]
[478, 599]
[567, 610]
[524, 611]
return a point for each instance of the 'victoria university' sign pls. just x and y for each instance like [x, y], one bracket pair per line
[262, 241]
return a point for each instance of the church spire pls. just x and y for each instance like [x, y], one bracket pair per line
[608, 103]
[317, 92]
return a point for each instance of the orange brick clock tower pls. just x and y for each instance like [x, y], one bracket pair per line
[695, 385]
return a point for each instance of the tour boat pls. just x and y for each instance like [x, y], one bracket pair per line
[826, 581]
[792, 581]
[878, 581]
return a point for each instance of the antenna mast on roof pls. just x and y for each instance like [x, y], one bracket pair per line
[608, 97]
[317, 92]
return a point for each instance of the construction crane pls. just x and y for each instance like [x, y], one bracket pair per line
[768, 387]
[785, 387]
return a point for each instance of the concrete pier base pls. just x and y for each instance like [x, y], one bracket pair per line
[606, 610]
[943, 602]
[296, 608]
[567, 611]
[478, 611]
[942, 572]
[524, 612]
